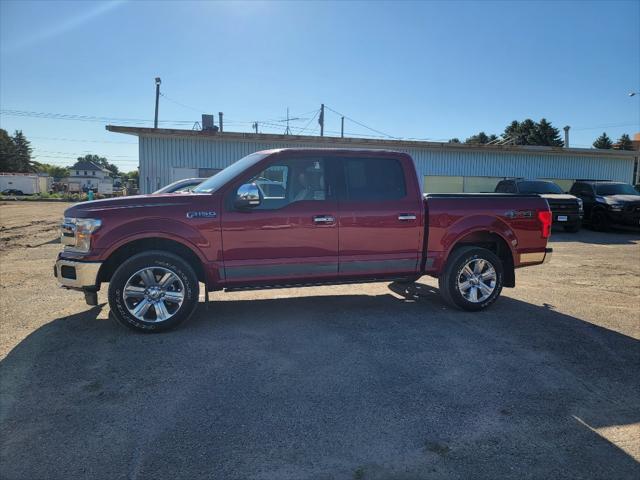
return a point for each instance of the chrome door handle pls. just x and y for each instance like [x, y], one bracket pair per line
[405, 217]
[323, 219]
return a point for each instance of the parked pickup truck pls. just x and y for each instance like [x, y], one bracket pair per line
[343, 216]
[566, 210]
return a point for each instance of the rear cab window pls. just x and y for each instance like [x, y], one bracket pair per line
[373, 179]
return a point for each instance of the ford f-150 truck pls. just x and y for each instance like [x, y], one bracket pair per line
[336, 216]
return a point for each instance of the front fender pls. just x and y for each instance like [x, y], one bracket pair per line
[165, 228]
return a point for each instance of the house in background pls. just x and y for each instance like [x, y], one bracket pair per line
[84, 176]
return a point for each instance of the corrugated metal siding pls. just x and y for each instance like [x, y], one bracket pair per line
[158, 155]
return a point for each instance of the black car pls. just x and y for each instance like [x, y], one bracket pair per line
[12, 191]
[607, 203]
[566, 209]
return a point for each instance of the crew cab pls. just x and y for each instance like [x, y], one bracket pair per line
[608, 203]
[567, 210]
[338, 216]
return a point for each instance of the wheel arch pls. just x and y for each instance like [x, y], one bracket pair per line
[134, 246]
[494, 242]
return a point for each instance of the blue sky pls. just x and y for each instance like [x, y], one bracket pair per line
[430, 70]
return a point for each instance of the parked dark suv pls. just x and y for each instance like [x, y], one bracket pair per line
[566, 209]
[607, 203]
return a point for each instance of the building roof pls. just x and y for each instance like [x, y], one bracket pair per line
[86, 165]
[349, 142]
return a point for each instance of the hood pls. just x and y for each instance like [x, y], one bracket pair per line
[557, 196]
[621, 198]
[96, 207]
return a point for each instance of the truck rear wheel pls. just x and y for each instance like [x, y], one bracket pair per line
[472, 278]
[153, 291]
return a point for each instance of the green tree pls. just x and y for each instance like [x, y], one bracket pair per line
[8, 154]
[23, 152]
[603, 142]
[624, 143]
[132, 175]
[481, 139]
[546, 134]
[454, 140]
[101, 162]
[529, 132]
[55, 171]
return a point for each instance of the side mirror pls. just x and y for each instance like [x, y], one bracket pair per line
[247, 196]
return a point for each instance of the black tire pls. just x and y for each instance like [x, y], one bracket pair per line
[156, 259]
[573, 228]
[599, 220]
[448, 281]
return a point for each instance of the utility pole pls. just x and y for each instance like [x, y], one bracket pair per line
[220, 120]
[342, 127]
[155, 121]
[321, 120]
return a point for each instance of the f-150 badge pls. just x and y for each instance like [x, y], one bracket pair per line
[209, 214]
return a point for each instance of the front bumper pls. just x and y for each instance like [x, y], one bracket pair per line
[73, 274]
[629, 218]
[571, 219]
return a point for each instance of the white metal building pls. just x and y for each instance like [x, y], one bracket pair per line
[167, 155]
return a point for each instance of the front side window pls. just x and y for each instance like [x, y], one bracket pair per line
[290, 180]
[373, 179]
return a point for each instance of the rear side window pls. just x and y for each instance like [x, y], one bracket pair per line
[373, 179]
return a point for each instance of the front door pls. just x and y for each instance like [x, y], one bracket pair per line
[380, 217]
[292, 236]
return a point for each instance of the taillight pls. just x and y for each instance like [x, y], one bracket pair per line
[545, 220]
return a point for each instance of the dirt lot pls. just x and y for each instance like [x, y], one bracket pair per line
[365, 382]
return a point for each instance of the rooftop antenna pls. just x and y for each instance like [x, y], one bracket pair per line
[288, 130]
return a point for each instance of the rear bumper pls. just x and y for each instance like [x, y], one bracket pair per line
[73, 274]
[535, 258]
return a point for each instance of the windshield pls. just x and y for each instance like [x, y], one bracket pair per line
[538, 187]
[223, 177]
[615, 189]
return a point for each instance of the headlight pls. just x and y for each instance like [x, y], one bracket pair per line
[616, 207]
[580, 203]
[76, 233]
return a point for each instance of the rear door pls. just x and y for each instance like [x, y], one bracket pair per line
[292, 236]
[380, 216]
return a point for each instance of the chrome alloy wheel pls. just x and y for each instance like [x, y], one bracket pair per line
[153, 294]
[477, 280]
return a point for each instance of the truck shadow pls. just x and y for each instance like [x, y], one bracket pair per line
[611, 237]
[391, 384]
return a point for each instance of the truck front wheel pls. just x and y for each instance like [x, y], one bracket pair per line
[472, 278]
[153, 291]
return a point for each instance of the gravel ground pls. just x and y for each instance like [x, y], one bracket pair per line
[371, 381]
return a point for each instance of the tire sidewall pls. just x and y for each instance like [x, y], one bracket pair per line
[599, 220]
[458, 266]
[153, 259]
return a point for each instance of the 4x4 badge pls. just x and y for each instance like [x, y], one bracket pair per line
[209, 214]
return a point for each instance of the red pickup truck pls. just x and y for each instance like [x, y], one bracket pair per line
[294, 217]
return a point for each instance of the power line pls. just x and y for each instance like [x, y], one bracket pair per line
[78, 140]
[359, 123]
[309, 122]
[199, 110]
